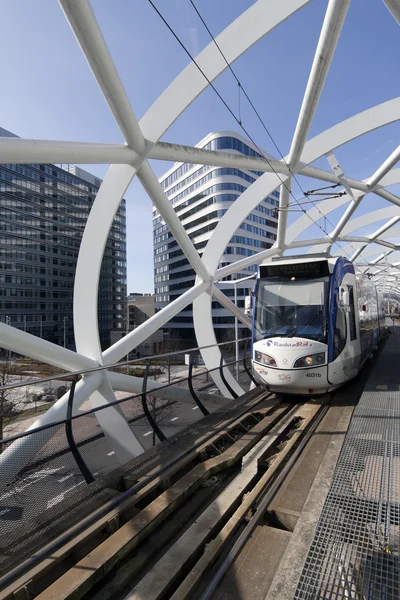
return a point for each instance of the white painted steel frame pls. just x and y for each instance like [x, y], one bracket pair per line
[130, 159]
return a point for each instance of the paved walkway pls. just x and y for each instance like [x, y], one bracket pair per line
[355, 551]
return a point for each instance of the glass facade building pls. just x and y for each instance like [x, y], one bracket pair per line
[201, 195]
[44, 209]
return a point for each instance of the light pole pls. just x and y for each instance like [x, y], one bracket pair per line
[25, 323]
[41, 326]
[236, 332]
[65, 332]
[8, 323]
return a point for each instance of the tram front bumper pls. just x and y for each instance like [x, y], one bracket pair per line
[293, 381]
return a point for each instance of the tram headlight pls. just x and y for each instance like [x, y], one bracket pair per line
[313, 360]
[264, 359]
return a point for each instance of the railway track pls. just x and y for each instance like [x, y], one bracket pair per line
[177, 532]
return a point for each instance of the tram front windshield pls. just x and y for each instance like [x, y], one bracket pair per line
[288, 308]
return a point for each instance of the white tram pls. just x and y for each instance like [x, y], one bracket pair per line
[315, 323]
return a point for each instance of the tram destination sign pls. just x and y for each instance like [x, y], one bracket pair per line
[317, 268]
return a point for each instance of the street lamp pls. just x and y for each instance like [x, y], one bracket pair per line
[65, 333]
[8, 319]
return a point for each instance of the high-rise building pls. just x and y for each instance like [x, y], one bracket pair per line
[201, 195]
[44, 209]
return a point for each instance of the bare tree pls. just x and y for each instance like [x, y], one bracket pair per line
[160, 411]
[228, 336]
[172, 343]
[10, 400]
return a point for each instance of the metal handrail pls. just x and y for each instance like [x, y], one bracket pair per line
[115, 365]
[192, 391]
[224, 381]
[103, 406]
[84, 469]
[103, 510]
[146, 410]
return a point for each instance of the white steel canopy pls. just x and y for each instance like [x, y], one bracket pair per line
[131, 159]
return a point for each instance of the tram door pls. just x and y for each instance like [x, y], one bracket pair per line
[345, 342]
[353, 342]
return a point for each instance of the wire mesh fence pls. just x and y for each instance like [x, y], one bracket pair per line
[45, 489]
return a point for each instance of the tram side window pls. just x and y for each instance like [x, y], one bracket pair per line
[352, 315]
[340, 333]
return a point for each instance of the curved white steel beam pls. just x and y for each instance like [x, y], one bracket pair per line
[370, 218]
[384, 168]
[338, 135]
[90, 258]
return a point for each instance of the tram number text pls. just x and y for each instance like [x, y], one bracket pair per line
[313, 375]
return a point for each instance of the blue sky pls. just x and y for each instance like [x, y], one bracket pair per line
[49, 92]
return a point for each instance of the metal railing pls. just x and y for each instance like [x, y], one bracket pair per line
[74, 447]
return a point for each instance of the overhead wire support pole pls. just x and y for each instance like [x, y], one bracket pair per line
[284, 198]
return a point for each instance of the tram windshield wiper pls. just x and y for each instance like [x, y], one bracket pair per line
[291, 331]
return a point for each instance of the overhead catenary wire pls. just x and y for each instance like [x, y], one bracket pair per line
[240, 87]
[232, 113]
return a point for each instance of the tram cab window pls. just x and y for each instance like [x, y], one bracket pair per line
[290, 307]
[340, 332]
[352, 315]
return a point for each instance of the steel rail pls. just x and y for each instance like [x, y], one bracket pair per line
[263, 504]
[100, 512]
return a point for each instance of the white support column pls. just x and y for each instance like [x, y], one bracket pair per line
[215, 158]
[354, 199]
[239, 265]
[138, 335]
[385, 244]
[362, 186]
[357, 253]
[15, 340]
[394, 7]
[83, 23]
[384, 168]
[331, 28]
[346, 217]
[156, 193]
[19, 151]
[90, 258]
[384, 228]
[305, 243]
[284, 198]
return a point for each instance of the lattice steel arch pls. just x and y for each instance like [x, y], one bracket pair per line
[130, 159]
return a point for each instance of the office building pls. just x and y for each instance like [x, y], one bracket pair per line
[201, 195]
[44, 209]
[141, 307]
